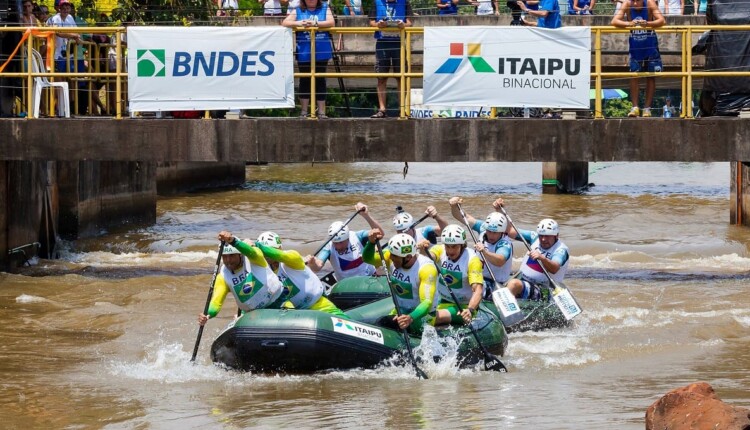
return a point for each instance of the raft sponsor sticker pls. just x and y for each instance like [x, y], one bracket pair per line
[350, 328]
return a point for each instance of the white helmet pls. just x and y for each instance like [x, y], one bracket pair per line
[496, 222]
[343, 231]
[270, 239]
[548, 227]
[229, 250]
[402, 245]
[402, 221]
[453, 234]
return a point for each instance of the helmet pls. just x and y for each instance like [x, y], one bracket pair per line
[402, 245]
[343, 231]
[548, 227]
[402, 221]
[496, 222]
[229, 250]
[454, 234]
[270, 239]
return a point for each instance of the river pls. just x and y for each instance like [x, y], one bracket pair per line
[102, 337]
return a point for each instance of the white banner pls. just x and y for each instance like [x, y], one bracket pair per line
[421, 110]
[507, 66]
[207, 68]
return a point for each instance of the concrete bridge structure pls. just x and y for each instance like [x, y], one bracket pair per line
[76, 177]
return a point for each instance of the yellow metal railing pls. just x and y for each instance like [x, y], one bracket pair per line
[686, 74]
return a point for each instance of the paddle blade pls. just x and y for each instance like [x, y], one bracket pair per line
[491, 362]
[566, 302]
[506, 303]
[420, 373]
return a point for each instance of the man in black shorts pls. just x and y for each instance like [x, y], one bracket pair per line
[393, 14]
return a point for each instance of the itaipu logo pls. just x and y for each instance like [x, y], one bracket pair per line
[151, 63]
[474, 51]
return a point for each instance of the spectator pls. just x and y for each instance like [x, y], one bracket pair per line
[583, 7]
[352, 7]
[64, 64]
[548, 14]
[668, 111]
[388, 13]
[317, 14]
[486, 7]
[27, 18]
[672, 7]
[644, 47]
[701, 9]
[227, 7]
[447, 7]
[273, 7]
[42, 14]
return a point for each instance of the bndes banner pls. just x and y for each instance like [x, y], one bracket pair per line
[206, 68]
[507, 66]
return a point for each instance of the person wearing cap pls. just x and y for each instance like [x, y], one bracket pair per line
[493, 243]
[413, 276]
[63, 19]
[460, 270]
[548, 251]
[345, 248]
[302, 287]
[248, 276]
[403, 221]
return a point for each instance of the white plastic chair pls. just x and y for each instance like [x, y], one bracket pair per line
[42, 82]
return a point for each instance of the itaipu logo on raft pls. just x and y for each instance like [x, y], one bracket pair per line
[351, 328]
[154, 63]
[518, 72]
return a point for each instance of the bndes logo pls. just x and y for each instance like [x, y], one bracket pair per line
[153, 63]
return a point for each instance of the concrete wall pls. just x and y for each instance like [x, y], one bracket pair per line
[346, 140]
[173, 178]
[102, 195]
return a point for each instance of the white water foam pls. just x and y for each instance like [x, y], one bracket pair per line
[634, 260]
[109, 259]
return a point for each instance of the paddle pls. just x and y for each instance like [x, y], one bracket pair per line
[420, 373]
[491, 362]
[208, 299]
[416, 223]
[330, 238]
[562, 296]
[505, 301]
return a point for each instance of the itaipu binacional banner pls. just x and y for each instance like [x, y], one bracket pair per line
[207, 68]
[507, 66]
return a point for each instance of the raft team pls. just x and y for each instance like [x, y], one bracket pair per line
[262, 274]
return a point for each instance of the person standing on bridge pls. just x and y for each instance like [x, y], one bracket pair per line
[547, 250]
[644, 47]
[312, 14]
[388, 13]
[345, 248]
[248, 276]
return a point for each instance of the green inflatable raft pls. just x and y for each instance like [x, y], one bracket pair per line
[304, 341]
[360, 290]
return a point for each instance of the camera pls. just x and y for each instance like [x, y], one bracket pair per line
[515, 13]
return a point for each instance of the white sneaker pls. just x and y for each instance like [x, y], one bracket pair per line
[646, 112]
[634, 112]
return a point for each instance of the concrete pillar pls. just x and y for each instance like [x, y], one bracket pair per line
[180, 177]
[739, 193]
[564, 177]
[24, 183]
[98, 195]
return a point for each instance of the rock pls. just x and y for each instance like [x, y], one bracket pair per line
[695, 407]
